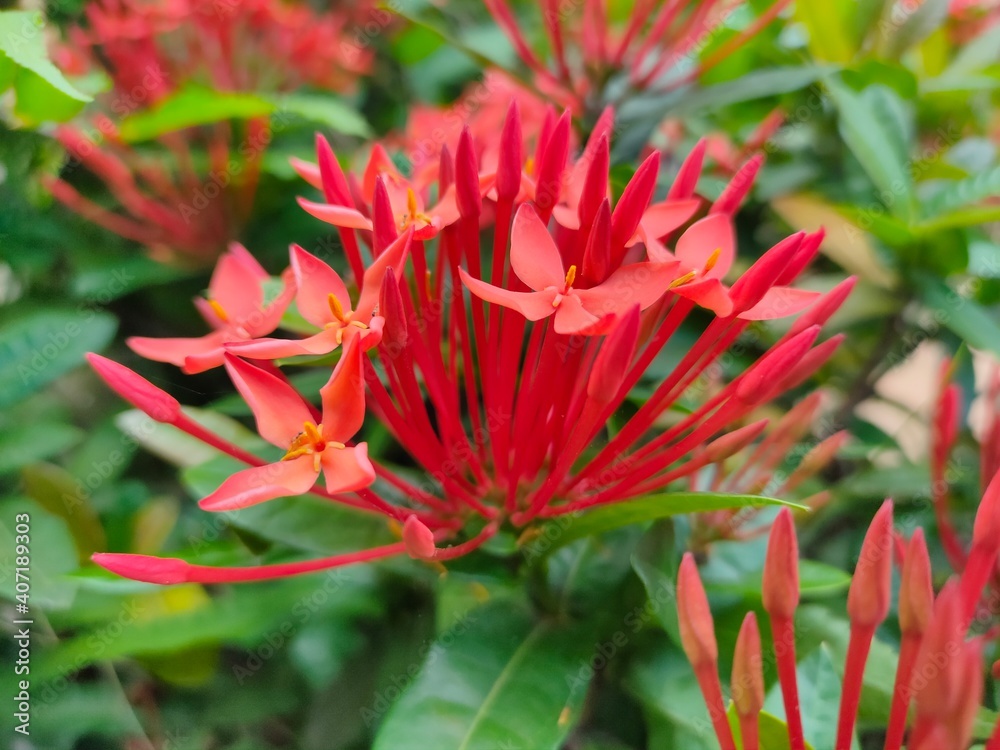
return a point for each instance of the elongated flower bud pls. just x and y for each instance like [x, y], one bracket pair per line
[595, 187]
[470, 200]
[383, 219]
[633, 201]
[695, 616]
[395, 333]
[916, 592]
[748, 673]
[824, 308]
[510, 157]
[550, 169]
[614, 358]
[750, 288]
[871, 588]
[135, 389]
[780, 587]
[687, 176]
[738, 187]
[597, 255]
[419, 540]
[335, 187]
[760, 382]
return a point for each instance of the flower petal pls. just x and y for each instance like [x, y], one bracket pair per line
[661, 219]
[236, 282]
[711, 294]
[697, 245]
[263, 321]
[315, 281]
[260, 483]
[323, 342]
[571, 317]
[307, 171]
[344, 395]
[635, 284]
[532, 305]
[177, 350]
[339, 216]
[277, 407]
[533, 253]
[347, 469]
[780, 302]
[394, 256]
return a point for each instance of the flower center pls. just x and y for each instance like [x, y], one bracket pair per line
[218, 310]
[413, 215]
[310, 442]
[341, 319]
[570, 278]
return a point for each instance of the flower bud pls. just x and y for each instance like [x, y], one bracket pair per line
[780, 587]
[695, 616]
[419, 540]
[135, 389]
[871, 588]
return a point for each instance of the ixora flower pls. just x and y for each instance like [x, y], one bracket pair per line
[589, 49]
[940, 669]
[502, 396]
[187, 193]
[235, 308]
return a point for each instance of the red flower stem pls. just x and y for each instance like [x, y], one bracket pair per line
[750, 731]
[708, 680]
[994, 741]
[410, 490]
[783, 635]
[449, 553]
[854, 672]
[195, 430]
[902, 691]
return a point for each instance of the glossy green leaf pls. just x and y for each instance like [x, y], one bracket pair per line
[561, 531]
[190, 106]
[506, 680]
[878, 147]
[42, 92]
[964, 317]
[37, 347]
[325, 110]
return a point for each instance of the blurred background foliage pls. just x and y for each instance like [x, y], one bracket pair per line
[887, 136]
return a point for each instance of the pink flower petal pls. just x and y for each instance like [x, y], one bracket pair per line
[566, 217]
[176, 350]
[262, 321]
[323, 342]
[533, 253]
[711, 294]
[315, 281]
[236, 282]
[780, 302]
[260, 483]
[661, 219]
[394, 256]
[278, 409]
[571, 317]
[344, 395]
[532, 305]
[635, 284]
[339, 216]
[696, 246]
[347, 469]
[379, 163]
[308, 172]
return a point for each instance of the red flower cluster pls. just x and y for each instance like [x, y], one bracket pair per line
[503, 396]
[939, 671]
[166, 197]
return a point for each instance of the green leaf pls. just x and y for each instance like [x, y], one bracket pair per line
[325, 110]
[917, 26]
[962, 316]
[506, 680]
[878, 147]
[965, 192]
[42, 92]
[193, 105]
[758, 84]
[561, 531]
[58, 491]
[22, 444]
[38, 346]
[772, 732]
[829, 36]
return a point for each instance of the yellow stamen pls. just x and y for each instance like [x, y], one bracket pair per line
[428, 288]
[682, 280]
[529, 166]
[411, 201]
[713, 259]
[312, 431]
[335, 307]
[308, 442]
[359, 324]
[218, 310]
[570, 276]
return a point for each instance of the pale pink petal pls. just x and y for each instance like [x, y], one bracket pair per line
[697, 245]
[393, 257]
[566, 217]
[280, 411]
[211, 316]
[370, 336]
[344, 395]
[533, 253]
[175, 351]
[316, 281]
[339, 216]
[661, 219]
[711, 294]
[260, 483]
[638, 283]
[780, 302]
[571, 317]
[261, 322]
[323, 342]
[236, 282]
[307, 171]
[446, 209]
[347, 469]
[532, 305]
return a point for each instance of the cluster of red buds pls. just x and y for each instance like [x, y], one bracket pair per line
[940, 670]
[188, 193]
[498, 319]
